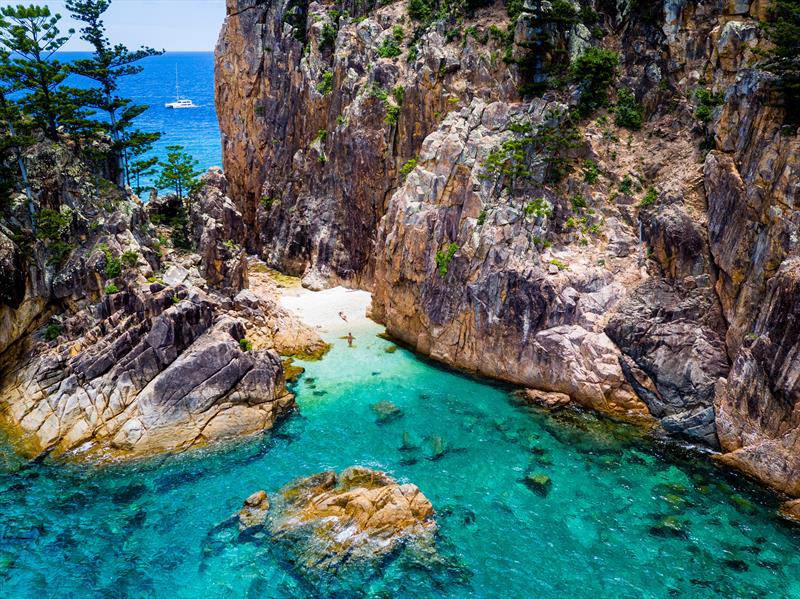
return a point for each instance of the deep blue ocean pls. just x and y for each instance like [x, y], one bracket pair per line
[195, 129]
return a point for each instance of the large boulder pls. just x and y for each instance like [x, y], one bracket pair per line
[328, 521]
[674, 336]
[149, 369]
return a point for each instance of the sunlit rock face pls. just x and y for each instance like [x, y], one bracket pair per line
[623, 300]
[313, 141]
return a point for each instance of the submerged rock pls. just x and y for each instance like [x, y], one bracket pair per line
[254, 511]
[790, 510]
[386, 412]
[539, 483]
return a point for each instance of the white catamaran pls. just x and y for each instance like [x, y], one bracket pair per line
[179, 102]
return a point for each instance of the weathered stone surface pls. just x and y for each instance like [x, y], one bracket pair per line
[496, 310]
[328, 522]
[219, 229]
[312, 201]
[751, 182]
[144, 375]
[758, 421]
[675, 336]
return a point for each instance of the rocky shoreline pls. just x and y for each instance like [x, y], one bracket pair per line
[652, 277]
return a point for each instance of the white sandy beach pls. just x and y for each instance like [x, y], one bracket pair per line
[321, 309]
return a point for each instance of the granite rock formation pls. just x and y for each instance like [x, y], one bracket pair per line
[642, 284]
[329, 522]
[125, 347]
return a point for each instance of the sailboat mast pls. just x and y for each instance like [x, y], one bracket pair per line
[177, 89]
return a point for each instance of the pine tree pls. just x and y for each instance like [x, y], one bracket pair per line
[32, 36]
[178, 172]
[11, 138]
[783, 60]
[107, 65]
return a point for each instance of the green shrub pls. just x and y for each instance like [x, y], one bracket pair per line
[538, 208]
[130, 258]
[578, 203]
[322, 135]
[245, 344]
[113, 266]
[111, 289]
[420, 10]
[267, 201]
[59, 251]
[559, 264]
[650, 197]
[52, 331]
[390, 48]
[562, 11]
[707, 102]
[591, 173]
[53, 224]
[594, 71]
[628, 112]
[325, 85]
[626, 185]
[392, 114]
[444, 257]
[399, 94]
[481, 217]
[327, 39]
[409, 166]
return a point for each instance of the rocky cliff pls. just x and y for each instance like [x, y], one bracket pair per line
[116, 342]
[645, 268]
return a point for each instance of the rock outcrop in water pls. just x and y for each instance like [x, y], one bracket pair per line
[633, 270]
[330, 523]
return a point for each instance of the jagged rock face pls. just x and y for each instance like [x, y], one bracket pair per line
[312, 164]
[154, 369]
[758, 420]
[752, 186]
[672, 333]
[218, 227]
[662, 303]
[499, 307]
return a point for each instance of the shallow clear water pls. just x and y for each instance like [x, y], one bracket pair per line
[625, 516]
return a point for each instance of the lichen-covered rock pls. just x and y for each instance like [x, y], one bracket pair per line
[328, 522]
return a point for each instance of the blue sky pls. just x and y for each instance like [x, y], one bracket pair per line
[190, 25]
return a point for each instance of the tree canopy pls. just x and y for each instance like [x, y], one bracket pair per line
[783, 60]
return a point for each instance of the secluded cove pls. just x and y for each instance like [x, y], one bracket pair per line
[622, 515]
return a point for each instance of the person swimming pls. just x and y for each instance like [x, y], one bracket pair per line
[343, 316]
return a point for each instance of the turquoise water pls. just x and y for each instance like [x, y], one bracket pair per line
[195, 129]
[626, 517]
